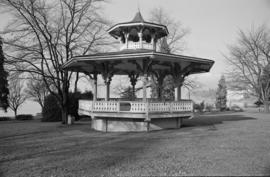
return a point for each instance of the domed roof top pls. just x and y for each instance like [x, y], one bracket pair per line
[119, 29]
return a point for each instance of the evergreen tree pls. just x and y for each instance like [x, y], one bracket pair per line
[221, 94]
[3, 81]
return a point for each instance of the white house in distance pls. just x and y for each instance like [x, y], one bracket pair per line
[137, 57]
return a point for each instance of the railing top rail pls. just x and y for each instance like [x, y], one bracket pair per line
[137, 101]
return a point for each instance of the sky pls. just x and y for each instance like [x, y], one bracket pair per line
[213, 25]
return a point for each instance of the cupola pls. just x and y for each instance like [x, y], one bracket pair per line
[138, 33]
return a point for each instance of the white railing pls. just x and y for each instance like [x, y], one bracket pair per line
[85, 107]
[136, 45]
[135, 106]
[138, 107]
[147, 46]
[182, 106]
[159, 107]
[105, 106]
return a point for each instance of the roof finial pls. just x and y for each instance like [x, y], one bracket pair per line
[138, 6]
[138, 17]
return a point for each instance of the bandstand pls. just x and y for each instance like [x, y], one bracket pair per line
[138, 57]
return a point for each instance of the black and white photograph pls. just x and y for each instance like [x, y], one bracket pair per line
[134, 88]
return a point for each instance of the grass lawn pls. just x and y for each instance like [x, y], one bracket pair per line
[223, 144]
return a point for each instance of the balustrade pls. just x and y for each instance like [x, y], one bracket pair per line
[136, 45]
[105, 106]
[135, 106]
[159, 107]
[138, 107]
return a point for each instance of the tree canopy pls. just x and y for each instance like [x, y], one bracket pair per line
[173, 43]
[43, 35]
[17, 95]
[250, 59]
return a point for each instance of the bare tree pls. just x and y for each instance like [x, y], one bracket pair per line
[16, 96]
[45, 34]
[250, 60]
[176, 37]
[36, 89]
[173, 43]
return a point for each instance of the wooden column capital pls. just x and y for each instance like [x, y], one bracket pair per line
[107, 79]
[178, 82]
[133, 78]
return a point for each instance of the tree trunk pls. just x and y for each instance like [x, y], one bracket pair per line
[41, 105]
[76, 82]
[266, 106]
[15, 113]
[64, 113]
[64, 105]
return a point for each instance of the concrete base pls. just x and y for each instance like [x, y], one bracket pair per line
[134, 125]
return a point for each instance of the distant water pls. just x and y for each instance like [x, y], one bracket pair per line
[29, 107]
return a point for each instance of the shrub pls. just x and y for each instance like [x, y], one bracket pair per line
[52, 111]
[88, 95]
[74, 104]
[258, 103]
[209, 107]
[24, 117]
[199, 107]
[5, 118]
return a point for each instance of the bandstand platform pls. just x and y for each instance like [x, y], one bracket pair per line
[136, 115]
[138, 57]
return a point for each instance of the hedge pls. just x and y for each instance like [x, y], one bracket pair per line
[24, 117]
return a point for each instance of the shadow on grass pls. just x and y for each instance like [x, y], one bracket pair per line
[93, 155]
[208, 120]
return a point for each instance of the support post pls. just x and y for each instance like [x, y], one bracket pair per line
[159, 91]
[178, 78]
[153, 42]
[107, 75]
[95, 87]
[140, 39]
[107, 83]
[144, 88]
[126, 36]
[177, 92]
